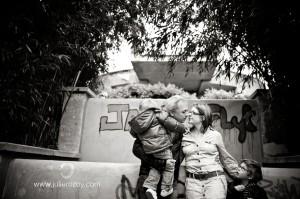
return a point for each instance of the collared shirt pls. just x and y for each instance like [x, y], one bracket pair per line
[206, 152]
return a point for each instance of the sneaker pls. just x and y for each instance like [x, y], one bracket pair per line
[151, 194]
[165, 193]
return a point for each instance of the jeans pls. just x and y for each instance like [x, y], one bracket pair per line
[140, 190]
[211, 188]
[153, 178]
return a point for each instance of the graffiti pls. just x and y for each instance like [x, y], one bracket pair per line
[118, 124]
[281, 190]
[244, 125]
[132, 192]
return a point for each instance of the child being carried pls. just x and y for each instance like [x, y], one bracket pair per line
[156, 141]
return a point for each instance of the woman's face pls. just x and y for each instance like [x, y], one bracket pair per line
[195, 118]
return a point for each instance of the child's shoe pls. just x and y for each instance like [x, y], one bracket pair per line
[151, 194]
[165, 193]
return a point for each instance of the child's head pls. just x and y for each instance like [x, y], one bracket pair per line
[253, 169]
[147, 103]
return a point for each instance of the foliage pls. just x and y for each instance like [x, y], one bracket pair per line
[255, 34]
[261, 37]
[221, 94]
[158, 90]
[48, 44]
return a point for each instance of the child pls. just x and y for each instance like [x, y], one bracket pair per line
[246, 186]
[155, 140]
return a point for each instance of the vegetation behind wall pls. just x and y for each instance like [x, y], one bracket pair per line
[48, 44]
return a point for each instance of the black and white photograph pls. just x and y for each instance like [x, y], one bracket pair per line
[149, 99]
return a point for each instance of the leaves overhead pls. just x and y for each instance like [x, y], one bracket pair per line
[44, 45]
[256, 36]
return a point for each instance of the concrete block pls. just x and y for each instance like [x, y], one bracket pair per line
[281, 182]
[158, 71]
[49, 179]
[72, 119]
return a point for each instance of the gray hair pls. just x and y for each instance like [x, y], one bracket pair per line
[171, 104]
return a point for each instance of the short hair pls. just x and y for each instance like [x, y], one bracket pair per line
[205, 110]
[147, 103]
[254, 168]
[171, 104]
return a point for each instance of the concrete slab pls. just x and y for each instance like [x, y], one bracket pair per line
[72, 118]
[49, 179]
[281, 182]
[158, 71]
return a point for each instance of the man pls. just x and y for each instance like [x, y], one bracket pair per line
[177, 108]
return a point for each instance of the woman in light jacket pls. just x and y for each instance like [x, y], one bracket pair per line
[205, 158]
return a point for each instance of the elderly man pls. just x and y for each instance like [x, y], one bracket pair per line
[176, 108]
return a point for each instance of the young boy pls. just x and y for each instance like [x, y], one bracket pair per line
[246, 186]
[156, 141]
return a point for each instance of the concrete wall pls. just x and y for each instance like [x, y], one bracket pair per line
[106, 137]
[72, 118]
[103, 140]
[281, 183]
[50, 179]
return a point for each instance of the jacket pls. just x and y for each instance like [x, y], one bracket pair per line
[211, 151]
[252, 190]
[175, 130]
[150, 132]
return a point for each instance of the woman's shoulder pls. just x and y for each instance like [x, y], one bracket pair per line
[213, 131]
[188, 137]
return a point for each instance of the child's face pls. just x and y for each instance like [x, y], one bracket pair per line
[245, 174]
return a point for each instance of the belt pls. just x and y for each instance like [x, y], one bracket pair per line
[204, 176]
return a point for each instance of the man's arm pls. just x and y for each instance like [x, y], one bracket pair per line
[139, 152]
[170, 123]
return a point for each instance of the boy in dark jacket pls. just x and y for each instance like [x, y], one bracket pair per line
[246, 186]
[156, 141]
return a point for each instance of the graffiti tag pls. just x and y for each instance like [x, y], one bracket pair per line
[244, 125]
[117, 125]
[281, 190]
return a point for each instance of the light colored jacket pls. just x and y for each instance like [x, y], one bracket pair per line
[207, 153]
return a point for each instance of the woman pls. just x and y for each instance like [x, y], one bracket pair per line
[205, 157]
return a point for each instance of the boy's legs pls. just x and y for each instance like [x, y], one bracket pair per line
[151, 183]
[168, 173]
[152, 179]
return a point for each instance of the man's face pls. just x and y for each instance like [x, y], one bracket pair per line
[181, 113]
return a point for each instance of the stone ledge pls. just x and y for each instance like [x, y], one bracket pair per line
[25, 149]
[86, 90]
[282, 159]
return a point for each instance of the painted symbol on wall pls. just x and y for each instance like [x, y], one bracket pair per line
[118, 109]
[244, 125]
[280, 188]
